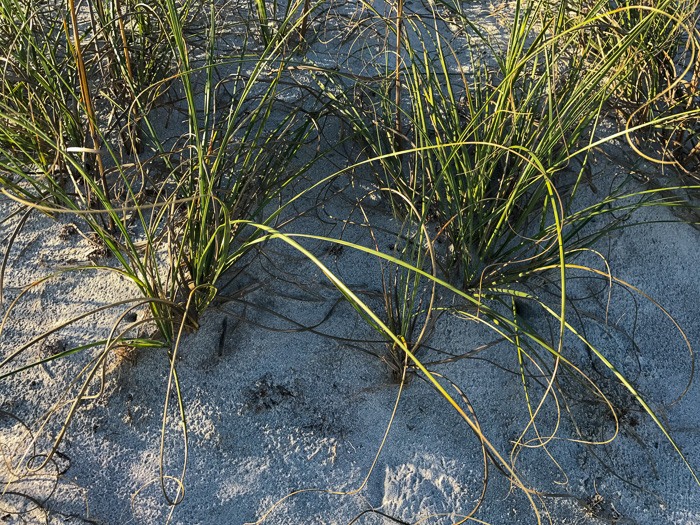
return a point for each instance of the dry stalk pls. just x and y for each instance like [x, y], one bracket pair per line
[89, 108]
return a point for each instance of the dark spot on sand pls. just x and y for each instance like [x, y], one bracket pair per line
[265, 394]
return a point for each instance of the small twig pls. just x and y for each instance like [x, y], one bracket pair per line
[222, 336]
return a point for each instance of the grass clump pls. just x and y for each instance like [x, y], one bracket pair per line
[181, 214]
[483, 147]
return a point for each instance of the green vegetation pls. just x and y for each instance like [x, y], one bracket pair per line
[481, 149]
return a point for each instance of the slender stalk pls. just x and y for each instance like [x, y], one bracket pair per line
[399, 26]
[89, 108]
[305, 20]
[133, 140]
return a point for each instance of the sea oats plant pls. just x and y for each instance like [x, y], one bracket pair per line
[483, 148]
[193, 221]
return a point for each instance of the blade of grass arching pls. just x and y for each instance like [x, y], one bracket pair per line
[367, 313]
[174, 381]
[521, 363]
[612, 367]
[503, 320]
[542, 441]
[577, 221]
[6, 255]
[557, 209]
[181, 486]
[141, 343]
[95, 365]
[525, 156]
